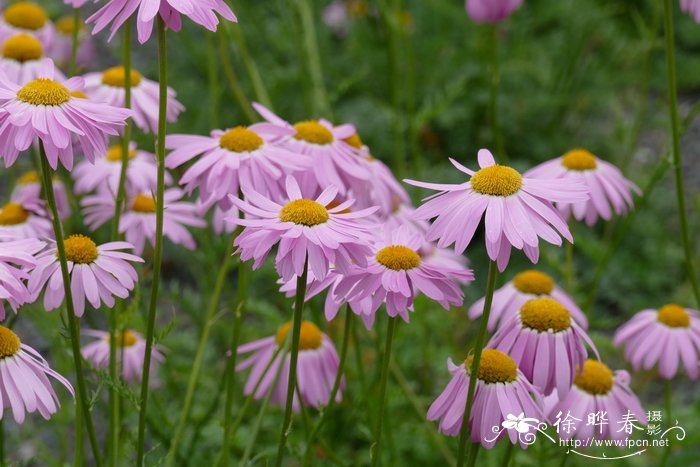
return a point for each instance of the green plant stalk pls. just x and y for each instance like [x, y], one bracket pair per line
[235, 32]
[78, 455]
[73, 325]
[478, 347]
[508, 454]
[494, 89]
[199, 358]
[473, 453]
[375, 452]
[676, 139]
[319, 101]
[232, 79]
[336, 386]
[668, 397]
[158, 254]
[291, 383]
[73, 64]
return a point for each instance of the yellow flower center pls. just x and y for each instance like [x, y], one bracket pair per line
[66, 25]
[13, 214]
[673, 316]
[310, 337]
[313, 132]
[116, 76]
[144, 203]
[80, 249]
[596, 378]
[398, 258]
[28, 178]
[304, 212]
[334, 204]
[240, 139]
[114, 154]
[579, 159]
[533, 282]
[494, 367]
[543, 314]
[497, 180]
[22, 48]
[44, 91]
[79, 94]
[26, 15]
[126, 339]
[354, 141]
[9, 342]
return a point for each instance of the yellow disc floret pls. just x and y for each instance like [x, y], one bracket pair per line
[310, 337]
[240, 139]
[9, 342]
[398, 258]
[114, 154]
[354, 141]
[44, 91]
[533, 282]
[22, 47]
[80, 249]
[26, 15]
[13, 214]
[126, 339]
[579, 159]
[313, 132]
[596, 378]
[28, 178]
[304, 212]
[497, 180]
[543, 314]
[494, 367]
[144, 204]
[673, 316]
[66, 25]
[116, 76]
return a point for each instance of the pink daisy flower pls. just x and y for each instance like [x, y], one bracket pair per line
[138, 222]
[334, 161]
[24, 381]
[303, 228]
[501, 390]
[21, 59]
[202, 12]
[525, 286]
[546, 343]
[668, 337]
[25, 217]
[104, 174]
[131, 346]
[46, 109]
[609, 190]
[238, 157]
[97, 273]
[16, 258]
[28, 187]
[108, 87]
[518, 210]
[395, 274]
[317, 367]
[692, 7]
[62, 46]
[597, 389]
[29, 18]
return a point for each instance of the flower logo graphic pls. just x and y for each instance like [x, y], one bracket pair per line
[519, 423]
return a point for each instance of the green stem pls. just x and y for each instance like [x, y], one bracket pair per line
[494, 89]
[478, 346]
[473, 453]
[668, 397]
[73, 64]
[508, 454]
[236, 33]
[291, 383]
[79, 451]
[319, 97]
[232, 79]
[676, 138]
[199, 358]
[158, 254]
[336, 386]
[73, 325]
[376, 448]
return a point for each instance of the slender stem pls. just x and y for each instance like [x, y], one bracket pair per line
[79, 451]
[77, 22]
[478, 346]
[668, 397]
[676, 138]
[376, 448]
[158, 254]
[508, 454]
[292, 381]
[232, 79]
[473, 453]
[336, 386]
[494, 89]
[236, 33]
[73, 325]
[199, 358]
[319, 96]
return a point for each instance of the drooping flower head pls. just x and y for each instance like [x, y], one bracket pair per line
[240, 157]
[525, 286]
[29, 18]
[692, 7]
[302, 228]
[491, 11]
[609, 190]
[97, 273]
[62, 47]
[317, 367]
[16, 258]
[669, 337]
[546, 343]
[24, 217]
[47, 109]
[24, 380]
[597, 390]
[116, 12]
[517, 209]
[28, 188]
[130, 345]
[501, 390]
[109, 87]
[21, 59]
